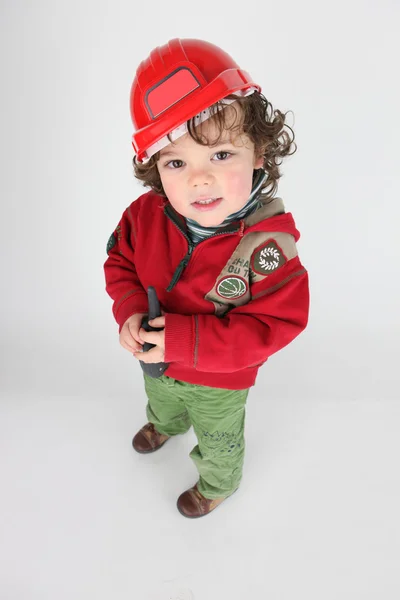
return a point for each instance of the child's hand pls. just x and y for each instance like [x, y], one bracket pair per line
[156, 354]
[129, 336]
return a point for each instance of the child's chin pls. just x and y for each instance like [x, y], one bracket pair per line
[210, 222]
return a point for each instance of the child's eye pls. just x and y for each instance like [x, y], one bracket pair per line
[223, 155]
[173, 164]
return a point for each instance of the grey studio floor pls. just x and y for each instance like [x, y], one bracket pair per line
[83, 516]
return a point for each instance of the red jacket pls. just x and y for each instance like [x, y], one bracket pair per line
[231, 301]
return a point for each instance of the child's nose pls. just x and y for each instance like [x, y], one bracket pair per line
[200, 177]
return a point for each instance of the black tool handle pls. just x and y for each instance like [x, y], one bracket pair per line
[152, 369]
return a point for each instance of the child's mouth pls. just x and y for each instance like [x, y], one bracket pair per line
[207, 204]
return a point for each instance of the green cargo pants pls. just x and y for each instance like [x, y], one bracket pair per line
[217, 416]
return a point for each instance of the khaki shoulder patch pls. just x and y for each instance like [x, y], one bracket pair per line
[258, 255]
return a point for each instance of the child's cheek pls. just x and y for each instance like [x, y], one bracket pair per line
[172, 189]
[238, 185]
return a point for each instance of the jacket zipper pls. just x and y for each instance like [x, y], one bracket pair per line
[184, 262]
[182, 265]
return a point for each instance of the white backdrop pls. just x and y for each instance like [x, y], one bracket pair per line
[66, 177]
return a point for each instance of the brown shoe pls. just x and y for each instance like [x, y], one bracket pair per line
[148, 439]
[193, 504]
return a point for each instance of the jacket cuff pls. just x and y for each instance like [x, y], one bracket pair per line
[137, 303]
[179, 339]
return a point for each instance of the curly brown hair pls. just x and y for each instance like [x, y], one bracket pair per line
[255, 120]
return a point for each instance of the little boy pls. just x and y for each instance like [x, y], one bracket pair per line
[219, 250]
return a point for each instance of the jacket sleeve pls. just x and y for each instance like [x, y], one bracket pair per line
[247, 335]
[122, 282]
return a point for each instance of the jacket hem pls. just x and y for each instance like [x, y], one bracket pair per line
[239, 380]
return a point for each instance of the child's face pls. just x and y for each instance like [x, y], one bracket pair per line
[190, 171]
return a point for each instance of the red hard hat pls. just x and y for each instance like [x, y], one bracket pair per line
[177, 82]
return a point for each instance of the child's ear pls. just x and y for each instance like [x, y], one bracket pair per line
[258, 162]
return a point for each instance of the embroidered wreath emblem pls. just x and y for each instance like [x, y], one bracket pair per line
[268, 258]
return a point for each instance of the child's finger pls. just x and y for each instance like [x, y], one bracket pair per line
[125, 343]
[157, 322]
[134, 334]
[152, 337]
[138, 340]
[152, 356]
[131, 346]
